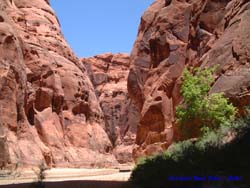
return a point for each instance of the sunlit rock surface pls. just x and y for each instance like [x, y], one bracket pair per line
[48, 107]
[108, 73]
[175, 34]
[65, 112]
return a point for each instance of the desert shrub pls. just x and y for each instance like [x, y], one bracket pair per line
[221, 152]
[40, 172]
[200, 109]
[222, 149]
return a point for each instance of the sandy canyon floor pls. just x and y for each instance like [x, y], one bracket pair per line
[100, 176]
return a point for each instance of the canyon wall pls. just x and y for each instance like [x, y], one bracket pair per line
[64, 111]
[48, 106]
[173, 35]
[108, 73]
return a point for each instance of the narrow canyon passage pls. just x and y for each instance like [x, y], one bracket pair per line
[58, 110]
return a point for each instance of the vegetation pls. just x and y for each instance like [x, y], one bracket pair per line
[40, 176]
[211, 154]
[199, 109]
[223, 148]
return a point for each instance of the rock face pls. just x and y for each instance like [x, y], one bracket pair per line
[48, 107]
[65, 112]
[108, 73]
[175, 34]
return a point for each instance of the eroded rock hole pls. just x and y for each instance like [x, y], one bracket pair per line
[1, 19]
[9, 39]
[168, 2]
[158, 98]
[158, 51]
[47, 74]
[31, 116]
[82, 108]
[85, 96]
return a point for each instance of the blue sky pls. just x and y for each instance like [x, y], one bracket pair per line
[97, 26]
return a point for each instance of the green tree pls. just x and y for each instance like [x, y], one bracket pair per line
[200, 110]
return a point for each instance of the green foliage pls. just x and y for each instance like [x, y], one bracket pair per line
[222, 149]
[211, 154]
[200, 109]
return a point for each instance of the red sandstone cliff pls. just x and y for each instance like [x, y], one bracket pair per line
[175, 34]
[48, 107]
[108, 73]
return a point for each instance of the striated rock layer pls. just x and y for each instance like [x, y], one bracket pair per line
[175, 34]
[48, 107]
[108, 73]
